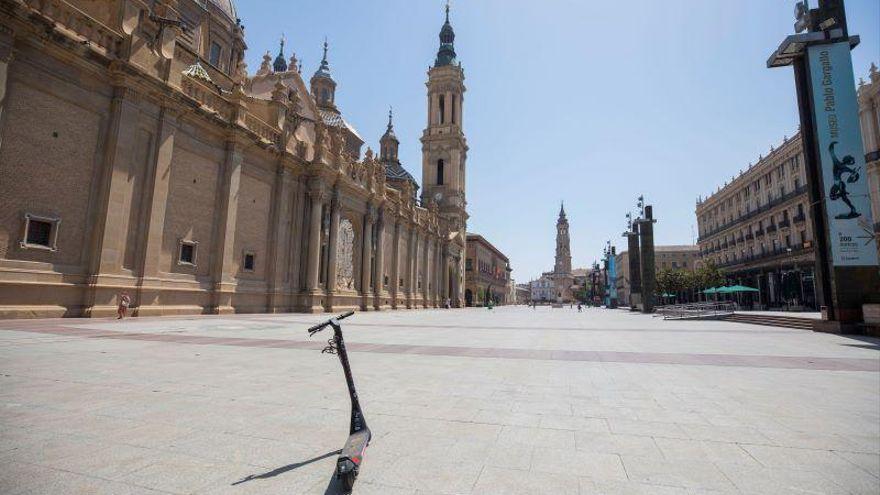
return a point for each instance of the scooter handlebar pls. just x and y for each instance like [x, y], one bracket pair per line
[320, 326]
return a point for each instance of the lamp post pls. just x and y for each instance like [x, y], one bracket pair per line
[846, 251]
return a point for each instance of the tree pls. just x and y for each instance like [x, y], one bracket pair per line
[709, 275]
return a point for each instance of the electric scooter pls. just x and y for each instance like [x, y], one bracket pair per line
[359, 434]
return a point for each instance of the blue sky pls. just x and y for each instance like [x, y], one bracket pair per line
[593, 102]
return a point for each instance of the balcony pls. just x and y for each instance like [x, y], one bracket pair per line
[750, 237]
[759, 233]
[800, 218]
[770, 229]
[784, 224]
[775, 201]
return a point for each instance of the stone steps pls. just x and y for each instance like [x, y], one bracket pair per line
[772, 320]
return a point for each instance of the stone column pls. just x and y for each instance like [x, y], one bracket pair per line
[444, 266]
[635, 267]
[426, 270]
[438, 269]
[646, 229]
[156, 200]
[298, 242]
[413, 267]
[395, 264]
[378, 282]
[332, 250]
[367, 257]
[316, 193]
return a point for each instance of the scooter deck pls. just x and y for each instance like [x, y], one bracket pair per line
[356, 445]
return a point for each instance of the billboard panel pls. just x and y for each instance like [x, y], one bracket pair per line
[841, 156]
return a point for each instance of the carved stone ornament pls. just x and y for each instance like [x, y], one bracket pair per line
[345, 255]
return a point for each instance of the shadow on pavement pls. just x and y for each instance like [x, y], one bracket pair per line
[869, 342]
[284, 469]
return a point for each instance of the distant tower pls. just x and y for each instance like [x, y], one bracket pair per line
[563, 245]
[444, 148]
[323, 85]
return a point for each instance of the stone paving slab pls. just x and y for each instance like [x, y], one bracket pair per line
[461, 401]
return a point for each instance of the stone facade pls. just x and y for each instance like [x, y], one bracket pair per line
[140, 157]
[869, 112]
[757, 228]
[487, 273]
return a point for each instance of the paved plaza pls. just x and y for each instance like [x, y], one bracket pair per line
[513, 401]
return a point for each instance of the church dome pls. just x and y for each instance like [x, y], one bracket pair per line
[227, 7]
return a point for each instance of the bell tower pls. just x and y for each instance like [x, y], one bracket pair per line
[444, 148]
[563, 245]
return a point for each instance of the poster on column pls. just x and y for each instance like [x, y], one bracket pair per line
[841, 156]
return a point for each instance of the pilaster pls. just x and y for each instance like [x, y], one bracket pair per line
[367, 258]
[154, 204]
[109, 230]
[279, 238]
[332, 251]
[379, 291]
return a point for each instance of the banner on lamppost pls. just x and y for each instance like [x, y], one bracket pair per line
[841, 156]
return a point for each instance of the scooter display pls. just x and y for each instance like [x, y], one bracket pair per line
[352, 455]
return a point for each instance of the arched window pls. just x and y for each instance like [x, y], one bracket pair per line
[454, 99]
[442, 109]
[439, 172]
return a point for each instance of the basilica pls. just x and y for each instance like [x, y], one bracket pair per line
[139, 157]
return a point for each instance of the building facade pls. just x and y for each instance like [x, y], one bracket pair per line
[671, 257]
[138, 156]
[523, 293]
[487, 273]
[869, 113]
[757, 229]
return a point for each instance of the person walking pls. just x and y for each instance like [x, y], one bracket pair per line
[124, 302]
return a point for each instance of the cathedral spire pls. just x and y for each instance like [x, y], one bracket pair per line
[562, 209]
[280, 65]
[388, 144]
[446, 53]
[323, 85]
[325, 66]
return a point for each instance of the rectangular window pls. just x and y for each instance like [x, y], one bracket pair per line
[440, 172]
[214, 55]
[249, 261]
[187, 253]
[40, 232]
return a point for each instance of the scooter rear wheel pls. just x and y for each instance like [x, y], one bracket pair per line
[348, 480]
